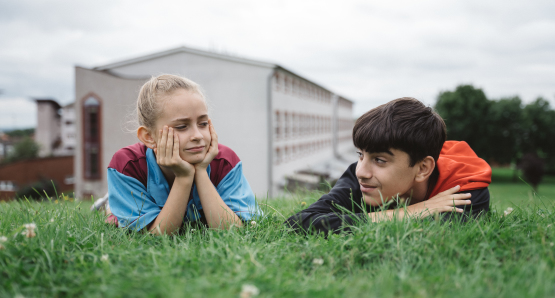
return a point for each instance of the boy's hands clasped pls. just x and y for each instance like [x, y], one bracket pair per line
[442, 202]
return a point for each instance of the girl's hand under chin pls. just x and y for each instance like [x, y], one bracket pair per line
[212, 149]
[167, 154]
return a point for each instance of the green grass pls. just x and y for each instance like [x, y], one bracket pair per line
[509, 190]
[496, 256]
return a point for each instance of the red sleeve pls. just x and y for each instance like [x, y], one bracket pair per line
[222, 164]
[131, 161]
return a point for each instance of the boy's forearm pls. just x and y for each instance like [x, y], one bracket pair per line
[218, 214]
[386, 215]
[171, 217]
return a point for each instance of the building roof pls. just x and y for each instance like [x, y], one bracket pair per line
[109, 67]
[48, 101]
[184, 49]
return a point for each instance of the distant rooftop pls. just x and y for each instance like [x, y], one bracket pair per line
[108, 67]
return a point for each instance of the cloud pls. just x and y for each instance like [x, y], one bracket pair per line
[17, 113]
[369, 51]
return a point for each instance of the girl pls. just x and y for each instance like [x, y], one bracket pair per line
[178, 172]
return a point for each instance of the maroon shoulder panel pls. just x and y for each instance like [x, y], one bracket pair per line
[222, 164]
[131, 161]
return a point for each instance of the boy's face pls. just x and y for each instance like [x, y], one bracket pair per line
[384, 175]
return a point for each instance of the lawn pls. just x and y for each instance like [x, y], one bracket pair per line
[509, 190]
[75, 254]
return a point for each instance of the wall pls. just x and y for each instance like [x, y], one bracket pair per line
[345, 127]
[305, 140]
[21, 173]
[117, 96]
[48, 127]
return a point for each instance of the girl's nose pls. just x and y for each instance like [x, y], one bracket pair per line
[196, 135]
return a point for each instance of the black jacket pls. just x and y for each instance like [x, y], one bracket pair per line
[344, 206]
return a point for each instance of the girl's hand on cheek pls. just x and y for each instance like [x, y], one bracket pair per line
[212, 149]
[167, 154]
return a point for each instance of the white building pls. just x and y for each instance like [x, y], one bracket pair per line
[55, 131]
[275, 120]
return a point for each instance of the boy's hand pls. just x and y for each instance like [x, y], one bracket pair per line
[167, 154]
[442, 202]
[212, 150]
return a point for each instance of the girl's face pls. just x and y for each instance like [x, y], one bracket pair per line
[186, 112]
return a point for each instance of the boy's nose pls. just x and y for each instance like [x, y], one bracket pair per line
[363, 170]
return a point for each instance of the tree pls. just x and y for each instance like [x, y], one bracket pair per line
[539, 131]
[465, 112]
[504, 129]
[25, 149]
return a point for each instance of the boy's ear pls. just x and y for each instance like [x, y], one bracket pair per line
[146, 137]
[425, 168]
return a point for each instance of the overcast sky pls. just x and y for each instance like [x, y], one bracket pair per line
[368, 51]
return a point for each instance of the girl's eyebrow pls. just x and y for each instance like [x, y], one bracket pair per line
[181, 119]
[185, 119]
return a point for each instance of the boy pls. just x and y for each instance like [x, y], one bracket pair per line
[402, 153]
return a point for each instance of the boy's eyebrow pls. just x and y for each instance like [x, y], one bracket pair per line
[387, 152]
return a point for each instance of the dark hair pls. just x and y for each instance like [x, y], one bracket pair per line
[404, 124]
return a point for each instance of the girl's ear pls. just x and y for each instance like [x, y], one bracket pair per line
[425, 169]
[146, 137]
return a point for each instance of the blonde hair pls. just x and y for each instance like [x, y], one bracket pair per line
[154, 90]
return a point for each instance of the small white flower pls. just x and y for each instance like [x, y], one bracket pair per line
[52, 219]
[551, 244]
[192, 230]
[318, 261]
[19, 296]
[104, 258]
[248, 291]
[3, 239]
[508, 211]
[253, 223]
[30, 232]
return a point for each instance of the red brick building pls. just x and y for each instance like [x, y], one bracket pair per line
[17, 175]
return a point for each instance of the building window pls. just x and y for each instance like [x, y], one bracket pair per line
[295, 129]
[277, 125]
[7, 186]
[286, 87]
[286, 126]
[276, 82]
[91, 146]
[277, 157]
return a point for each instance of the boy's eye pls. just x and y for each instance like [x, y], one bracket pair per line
[204, 124]
[359, 154]
[379, 160]
[180, 126]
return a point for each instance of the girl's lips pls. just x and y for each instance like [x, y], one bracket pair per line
[195, 149]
